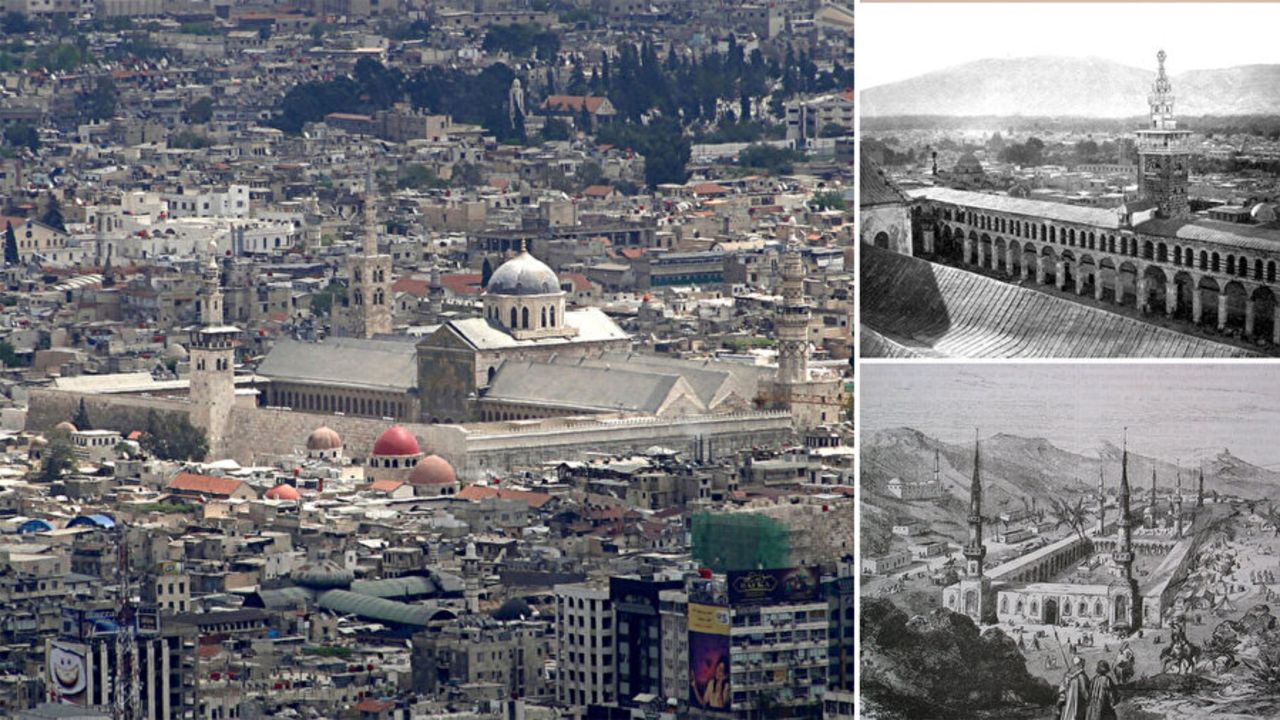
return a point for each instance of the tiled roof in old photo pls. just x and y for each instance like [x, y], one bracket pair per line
[875, 188]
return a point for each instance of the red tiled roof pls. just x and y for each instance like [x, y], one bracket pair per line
[462, 283]
[480, 492]
[598, 191]
[710, 189]
[384, 485]
[580, 281]
[573, 103]
[414, 286]
[204, 484]
[369, 705]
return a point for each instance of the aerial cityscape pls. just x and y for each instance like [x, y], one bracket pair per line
[488, 359]
[1072, 205]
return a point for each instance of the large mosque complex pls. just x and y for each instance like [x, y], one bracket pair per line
[1121, 574]
[528, 381]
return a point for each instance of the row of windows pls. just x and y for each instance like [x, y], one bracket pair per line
[521, 320]
[374, 407]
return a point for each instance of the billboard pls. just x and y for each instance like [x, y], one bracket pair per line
[709, 657]
[68, 669]
[784, 585]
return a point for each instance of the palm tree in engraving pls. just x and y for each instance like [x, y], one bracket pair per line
[1074, 516]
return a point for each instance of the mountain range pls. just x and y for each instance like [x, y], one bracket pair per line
[1019, 472]
[1050, 86]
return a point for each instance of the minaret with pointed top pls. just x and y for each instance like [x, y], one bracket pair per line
[973, 595]
[1177, 506]
[1126, 607]
[1102, 505]
[1164, 152]
[937, 470]
[1200, 490]
[212, 390]
[976, 551]
[370, 296]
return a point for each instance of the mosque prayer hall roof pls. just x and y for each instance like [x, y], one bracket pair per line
[347, 362]
[1095, 217]
[592, 325]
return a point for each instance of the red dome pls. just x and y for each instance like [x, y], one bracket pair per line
[324, 438]
[284, 492]
[433, 470]
[395, 441]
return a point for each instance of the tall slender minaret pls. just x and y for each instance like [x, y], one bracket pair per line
[1177, 505]
[937, 469]
[1164, 152]
[435, 293]
[369, 304]
[1127, 609]
[212, 391]
[1200, 490]
[976, 551]
[1102, 505]
[1151, 511]
[793, 319]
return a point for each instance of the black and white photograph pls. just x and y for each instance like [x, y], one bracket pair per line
[1069, 181]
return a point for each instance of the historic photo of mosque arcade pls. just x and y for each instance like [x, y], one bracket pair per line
[1006, 275]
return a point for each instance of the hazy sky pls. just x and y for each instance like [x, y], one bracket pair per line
[897, 41]
[1173, 410]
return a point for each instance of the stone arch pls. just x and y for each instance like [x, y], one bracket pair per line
[1126, 283]
[1264, 312]
[999, 261]
[1155, 293]
[1148, 250]
[1087, 269]
[1048, 265]
[984, 251]
[972, 252]
[1184, 292]
[1106, 280]
[1215, 263]
[1162, 253]
[882, 240]
[1237, 300]
[1207, 290]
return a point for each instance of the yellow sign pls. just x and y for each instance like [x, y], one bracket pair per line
[710, 619]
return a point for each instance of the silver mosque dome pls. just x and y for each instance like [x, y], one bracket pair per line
[523, 275]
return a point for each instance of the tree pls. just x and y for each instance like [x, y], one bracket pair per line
[11, 256]
[774, 160]
[828, 200]
[100, 103]
[81, 419]
[53, 214]
[834, 130]
[200, 111]
[9, 356]
[174, 440]
[59, 457]
[467, 175]
[590, 173]
[22, 135]
[556, 129]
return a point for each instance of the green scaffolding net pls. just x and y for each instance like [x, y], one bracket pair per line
[740, 541]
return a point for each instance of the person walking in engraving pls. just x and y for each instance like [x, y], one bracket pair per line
[1102, 696]
[1073, 696]
[1125, 664]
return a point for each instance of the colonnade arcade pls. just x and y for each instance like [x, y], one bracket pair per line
[1206, 284]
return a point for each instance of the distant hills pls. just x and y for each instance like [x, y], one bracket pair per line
[1018, 471]
[1078, 87]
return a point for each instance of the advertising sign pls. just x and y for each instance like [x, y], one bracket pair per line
[68, 672]
[709, 657]
[761, 587]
